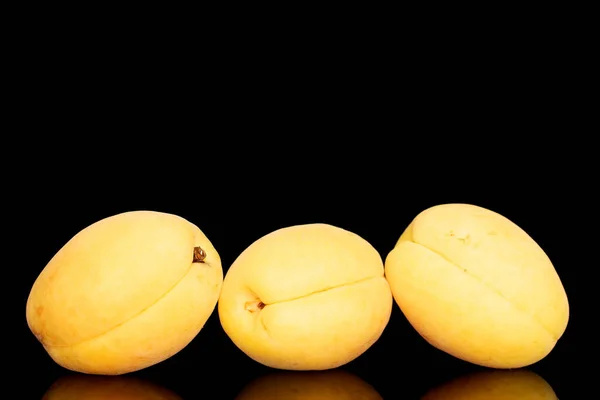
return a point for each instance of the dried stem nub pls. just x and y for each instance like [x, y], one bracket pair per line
[199, 255]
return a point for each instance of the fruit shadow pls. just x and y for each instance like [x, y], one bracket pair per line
[96, 387]
[287, 385]
[493, 384]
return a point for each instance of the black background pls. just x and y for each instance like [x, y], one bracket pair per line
[243, 146]
[250, 202]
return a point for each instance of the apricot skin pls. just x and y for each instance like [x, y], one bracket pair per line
[125, 293]
[476, 286]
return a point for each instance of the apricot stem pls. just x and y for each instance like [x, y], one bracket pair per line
[254, 306]
[199, 255]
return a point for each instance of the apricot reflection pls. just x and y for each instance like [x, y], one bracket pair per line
[94, 387]
[330, 385]
[494, 385]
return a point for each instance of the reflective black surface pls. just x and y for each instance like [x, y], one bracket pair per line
[401, 365]
[338, 384]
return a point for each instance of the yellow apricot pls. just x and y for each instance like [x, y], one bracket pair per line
[475, 285]
[306, 297]
[125, 293]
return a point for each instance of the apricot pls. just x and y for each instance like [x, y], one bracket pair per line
[306, 297]
[476, 286]
[91, 387]
[321, 385]
[494, 385]
[125, 293]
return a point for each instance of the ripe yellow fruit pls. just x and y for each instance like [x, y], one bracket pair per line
[306, 297]
[476, 286]
[494, 385]
[322, 385]
[88, 387]
[125, 293]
